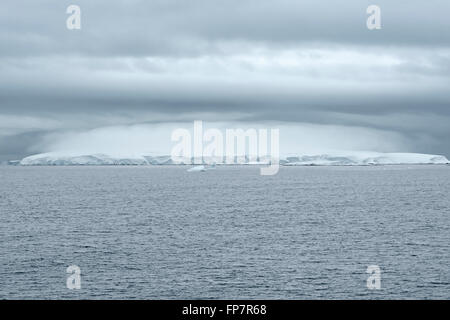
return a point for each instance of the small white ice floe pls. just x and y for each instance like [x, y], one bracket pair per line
[197, 169]
[201, 168]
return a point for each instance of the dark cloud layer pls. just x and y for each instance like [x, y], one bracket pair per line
[162, 27]
[248, 60]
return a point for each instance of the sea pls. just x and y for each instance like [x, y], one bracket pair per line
[160, 232]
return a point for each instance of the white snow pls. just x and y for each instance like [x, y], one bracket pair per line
[335, 158]
[57, 159]
[364, 158]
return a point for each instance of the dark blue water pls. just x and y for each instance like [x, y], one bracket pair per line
[161, 232]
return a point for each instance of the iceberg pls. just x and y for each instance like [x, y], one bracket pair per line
[197, 169]
[364, 158]
[331, 159]
[57, 159]
[201, 168]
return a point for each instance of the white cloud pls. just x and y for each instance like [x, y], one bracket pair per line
[156, 139]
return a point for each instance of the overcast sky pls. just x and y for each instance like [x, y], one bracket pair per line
[311, 67]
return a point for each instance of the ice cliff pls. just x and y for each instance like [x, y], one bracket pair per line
[336, 159]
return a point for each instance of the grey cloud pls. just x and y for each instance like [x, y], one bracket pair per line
[18, 146]
[249, 60]
[161, 27]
